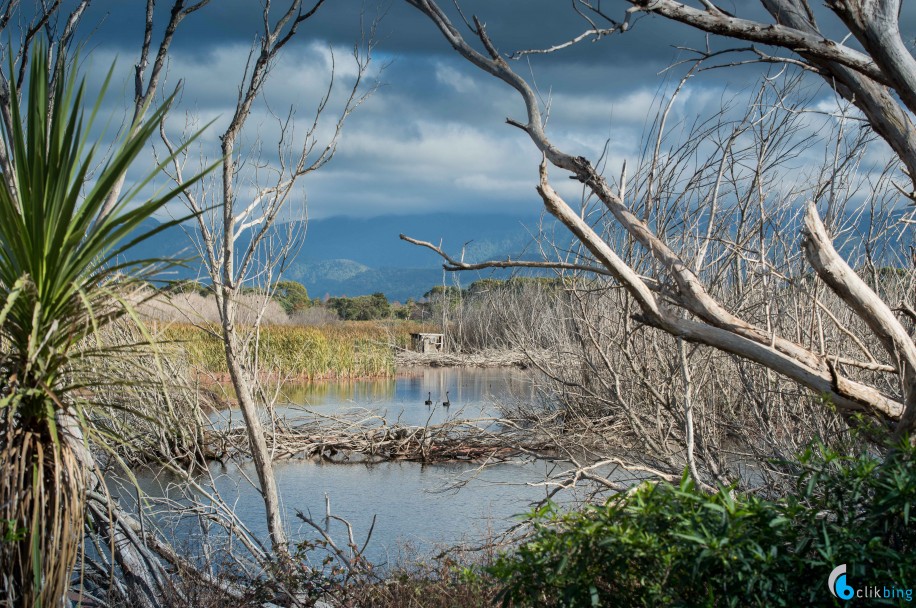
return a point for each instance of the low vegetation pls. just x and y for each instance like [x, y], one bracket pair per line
[353, 349]
[361, 308]
[440, 583]
[675, 545]
[288, 303]
[298, 338]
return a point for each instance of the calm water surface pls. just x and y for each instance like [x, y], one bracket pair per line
[471, 392]
[415, 505]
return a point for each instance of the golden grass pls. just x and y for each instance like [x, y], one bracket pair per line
[352, 349]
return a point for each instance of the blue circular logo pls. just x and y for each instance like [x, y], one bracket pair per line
[838, 585]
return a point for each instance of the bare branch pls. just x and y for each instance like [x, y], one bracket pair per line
[834, 271]
[452, 264]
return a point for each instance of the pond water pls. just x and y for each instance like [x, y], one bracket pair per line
[471, 393]
[415, 505]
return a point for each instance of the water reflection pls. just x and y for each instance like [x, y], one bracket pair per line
[472, 392]
[407, 498]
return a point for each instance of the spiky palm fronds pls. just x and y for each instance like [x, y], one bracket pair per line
[62, 279]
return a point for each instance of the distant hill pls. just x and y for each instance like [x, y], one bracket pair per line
[344, 256]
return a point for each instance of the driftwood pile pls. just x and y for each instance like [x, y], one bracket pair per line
[373, 439]
[487, 358]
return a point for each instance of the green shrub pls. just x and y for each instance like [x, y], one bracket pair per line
[292, 296]
[665, 545]
[361, 308]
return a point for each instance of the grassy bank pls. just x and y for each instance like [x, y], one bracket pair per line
[352, 349]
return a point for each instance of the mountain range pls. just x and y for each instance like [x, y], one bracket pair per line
[345, 256]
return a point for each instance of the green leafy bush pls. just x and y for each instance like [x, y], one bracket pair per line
[292, 296]
[361, 308]
[665, 545]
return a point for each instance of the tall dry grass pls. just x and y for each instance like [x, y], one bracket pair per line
[312, 344]
[350, 349]
[194, 308]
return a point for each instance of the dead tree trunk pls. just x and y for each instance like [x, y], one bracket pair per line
[262, 260]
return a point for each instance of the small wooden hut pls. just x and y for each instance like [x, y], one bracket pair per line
[427, 343]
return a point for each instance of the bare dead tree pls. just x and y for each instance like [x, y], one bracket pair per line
[678, 301]
[691, 315]
[225, 213]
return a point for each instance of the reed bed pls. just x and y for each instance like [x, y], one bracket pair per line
[352, 349]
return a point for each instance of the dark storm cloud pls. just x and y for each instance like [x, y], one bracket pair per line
[405, 34]
[433, 137]
[514, 24]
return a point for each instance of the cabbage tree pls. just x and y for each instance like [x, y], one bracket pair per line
[63, 278]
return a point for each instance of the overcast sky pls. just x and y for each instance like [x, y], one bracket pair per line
[432, 138]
